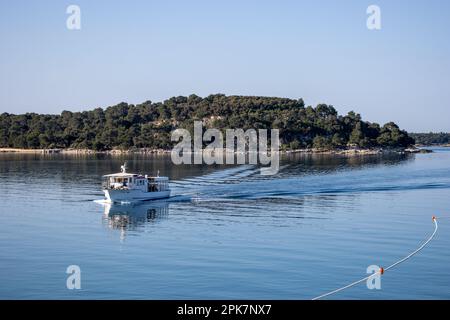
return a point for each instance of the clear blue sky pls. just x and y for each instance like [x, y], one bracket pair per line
[321, 51]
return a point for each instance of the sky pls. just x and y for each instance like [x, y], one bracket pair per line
[321, 51]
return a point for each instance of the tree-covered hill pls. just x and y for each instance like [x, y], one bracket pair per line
[149, 125]
[431, 138]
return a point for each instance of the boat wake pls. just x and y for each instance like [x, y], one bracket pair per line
[245, 182]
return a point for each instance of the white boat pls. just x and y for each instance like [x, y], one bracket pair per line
[127, 187]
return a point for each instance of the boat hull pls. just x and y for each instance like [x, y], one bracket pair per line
[134, 195]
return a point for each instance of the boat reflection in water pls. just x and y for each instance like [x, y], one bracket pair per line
[134, 216]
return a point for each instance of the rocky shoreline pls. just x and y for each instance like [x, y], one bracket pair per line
[355, 151]
[348, 151]
[83, 151]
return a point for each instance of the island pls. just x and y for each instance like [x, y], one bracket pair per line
[147, 127]
[441, 139]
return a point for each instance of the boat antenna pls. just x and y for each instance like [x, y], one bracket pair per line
[124, 167]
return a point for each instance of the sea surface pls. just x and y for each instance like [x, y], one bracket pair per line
[228, 232]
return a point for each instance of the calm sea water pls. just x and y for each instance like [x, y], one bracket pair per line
[228, 232]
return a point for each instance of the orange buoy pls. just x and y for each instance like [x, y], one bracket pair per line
[381, 270]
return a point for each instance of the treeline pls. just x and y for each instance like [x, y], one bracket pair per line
[149, 125]
[431, 138]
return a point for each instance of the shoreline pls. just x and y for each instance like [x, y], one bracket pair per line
[444, 145]
[349, 151]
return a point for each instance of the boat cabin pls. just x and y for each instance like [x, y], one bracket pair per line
[130, 181]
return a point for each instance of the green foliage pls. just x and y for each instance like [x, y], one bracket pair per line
[149, 125]
[431, 138]
[337, 141]
[392, 136]
[322, 143]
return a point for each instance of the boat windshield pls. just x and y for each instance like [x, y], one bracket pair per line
[116, 182]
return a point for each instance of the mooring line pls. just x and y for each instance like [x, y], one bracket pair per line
[382, 270]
